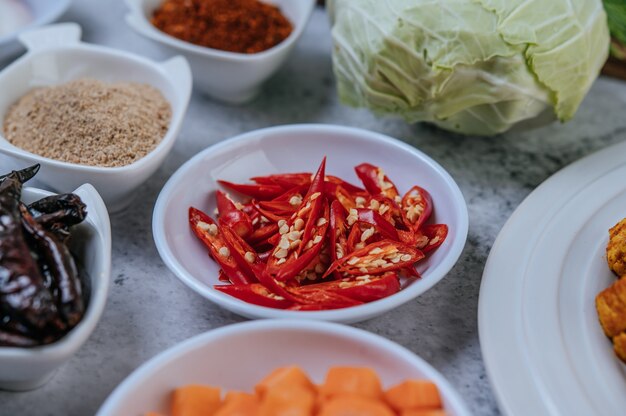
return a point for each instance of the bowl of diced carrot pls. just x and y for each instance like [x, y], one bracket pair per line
[285, 367]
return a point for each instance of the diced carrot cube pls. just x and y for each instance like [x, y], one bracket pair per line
[355, 406]
[351, 380]
[287, 401]
[414, 394]
[237, 403]
[284, 376]
[195, 400]
[423, 412]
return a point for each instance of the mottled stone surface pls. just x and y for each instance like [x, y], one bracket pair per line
[149, 310]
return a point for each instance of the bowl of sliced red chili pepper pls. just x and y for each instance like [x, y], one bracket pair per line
[272, 223]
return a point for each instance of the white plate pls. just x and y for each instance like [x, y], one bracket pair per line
[542, 343]
[299, 148]
[237, 356]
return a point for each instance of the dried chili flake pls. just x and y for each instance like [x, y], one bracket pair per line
[245, 26]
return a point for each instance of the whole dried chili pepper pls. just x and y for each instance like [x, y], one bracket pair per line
[23, 294]
[57, 213]
[62, 267]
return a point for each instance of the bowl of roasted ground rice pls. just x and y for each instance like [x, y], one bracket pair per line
[90, 114]
[233, 46]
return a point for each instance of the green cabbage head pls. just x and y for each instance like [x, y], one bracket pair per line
[476, 67]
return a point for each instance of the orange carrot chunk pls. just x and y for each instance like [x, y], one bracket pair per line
[284, 376]
[414, 395]
[431, 412]
[195, 400]
[237, 403]
[358, 381]
[287, 401]
[354, 406]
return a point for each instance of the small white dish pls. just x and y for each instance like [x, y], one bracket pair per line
[29, 368]
[544, 349]
[238, 356]
[56, 55]
[22, 15]
[228, 76]
[298, 148]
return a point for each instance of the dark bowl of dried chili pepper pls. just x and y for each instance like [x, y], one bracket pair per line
[232, 46]
[298, 239]
[31, 365]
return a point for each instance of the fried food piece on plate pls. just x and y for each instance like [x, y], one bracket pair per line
[619, 345]
[616, 248]
[611, 307]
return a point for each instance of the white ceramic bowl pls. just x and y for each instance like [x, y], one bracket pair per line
[227, 76]
[56, 55]
[29, 368]
[299, 148]
[238, 356]
[35, 12]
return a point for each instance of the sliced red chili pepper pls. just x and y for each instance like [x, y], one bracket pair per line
[285, 180]
[410, 272]
[383, 226]
[260, 192]
[375, 180]
[212, 236]
[332, 182]
[268, 214]
[417, 205]
[315, 200]
[345, 198]
[354, 239]
[231, 216]
[256, 294]
[262, 234]
[294, 261]
[246, 258]
[378, 257]
[324, 299]
[364, 288]
[389, 210]
[431, 236]
[338, 239]
[221, 276]
[285, 204]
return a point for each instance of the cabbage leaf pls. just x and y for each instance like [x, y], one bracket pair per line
[472, 66]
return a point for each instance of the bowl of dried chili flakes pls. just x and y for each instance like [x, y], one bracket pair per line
[232, 46]
[289, 237]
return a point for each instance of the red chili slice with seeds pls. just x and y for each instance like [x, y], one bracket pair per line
[379, 257]
[417, 205]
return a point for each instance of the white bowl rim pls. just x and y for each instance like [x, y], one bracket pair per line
[51, 16]
[350, 314]
[178, 112]
[360, 335]
[152, 32]
[99, 292]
